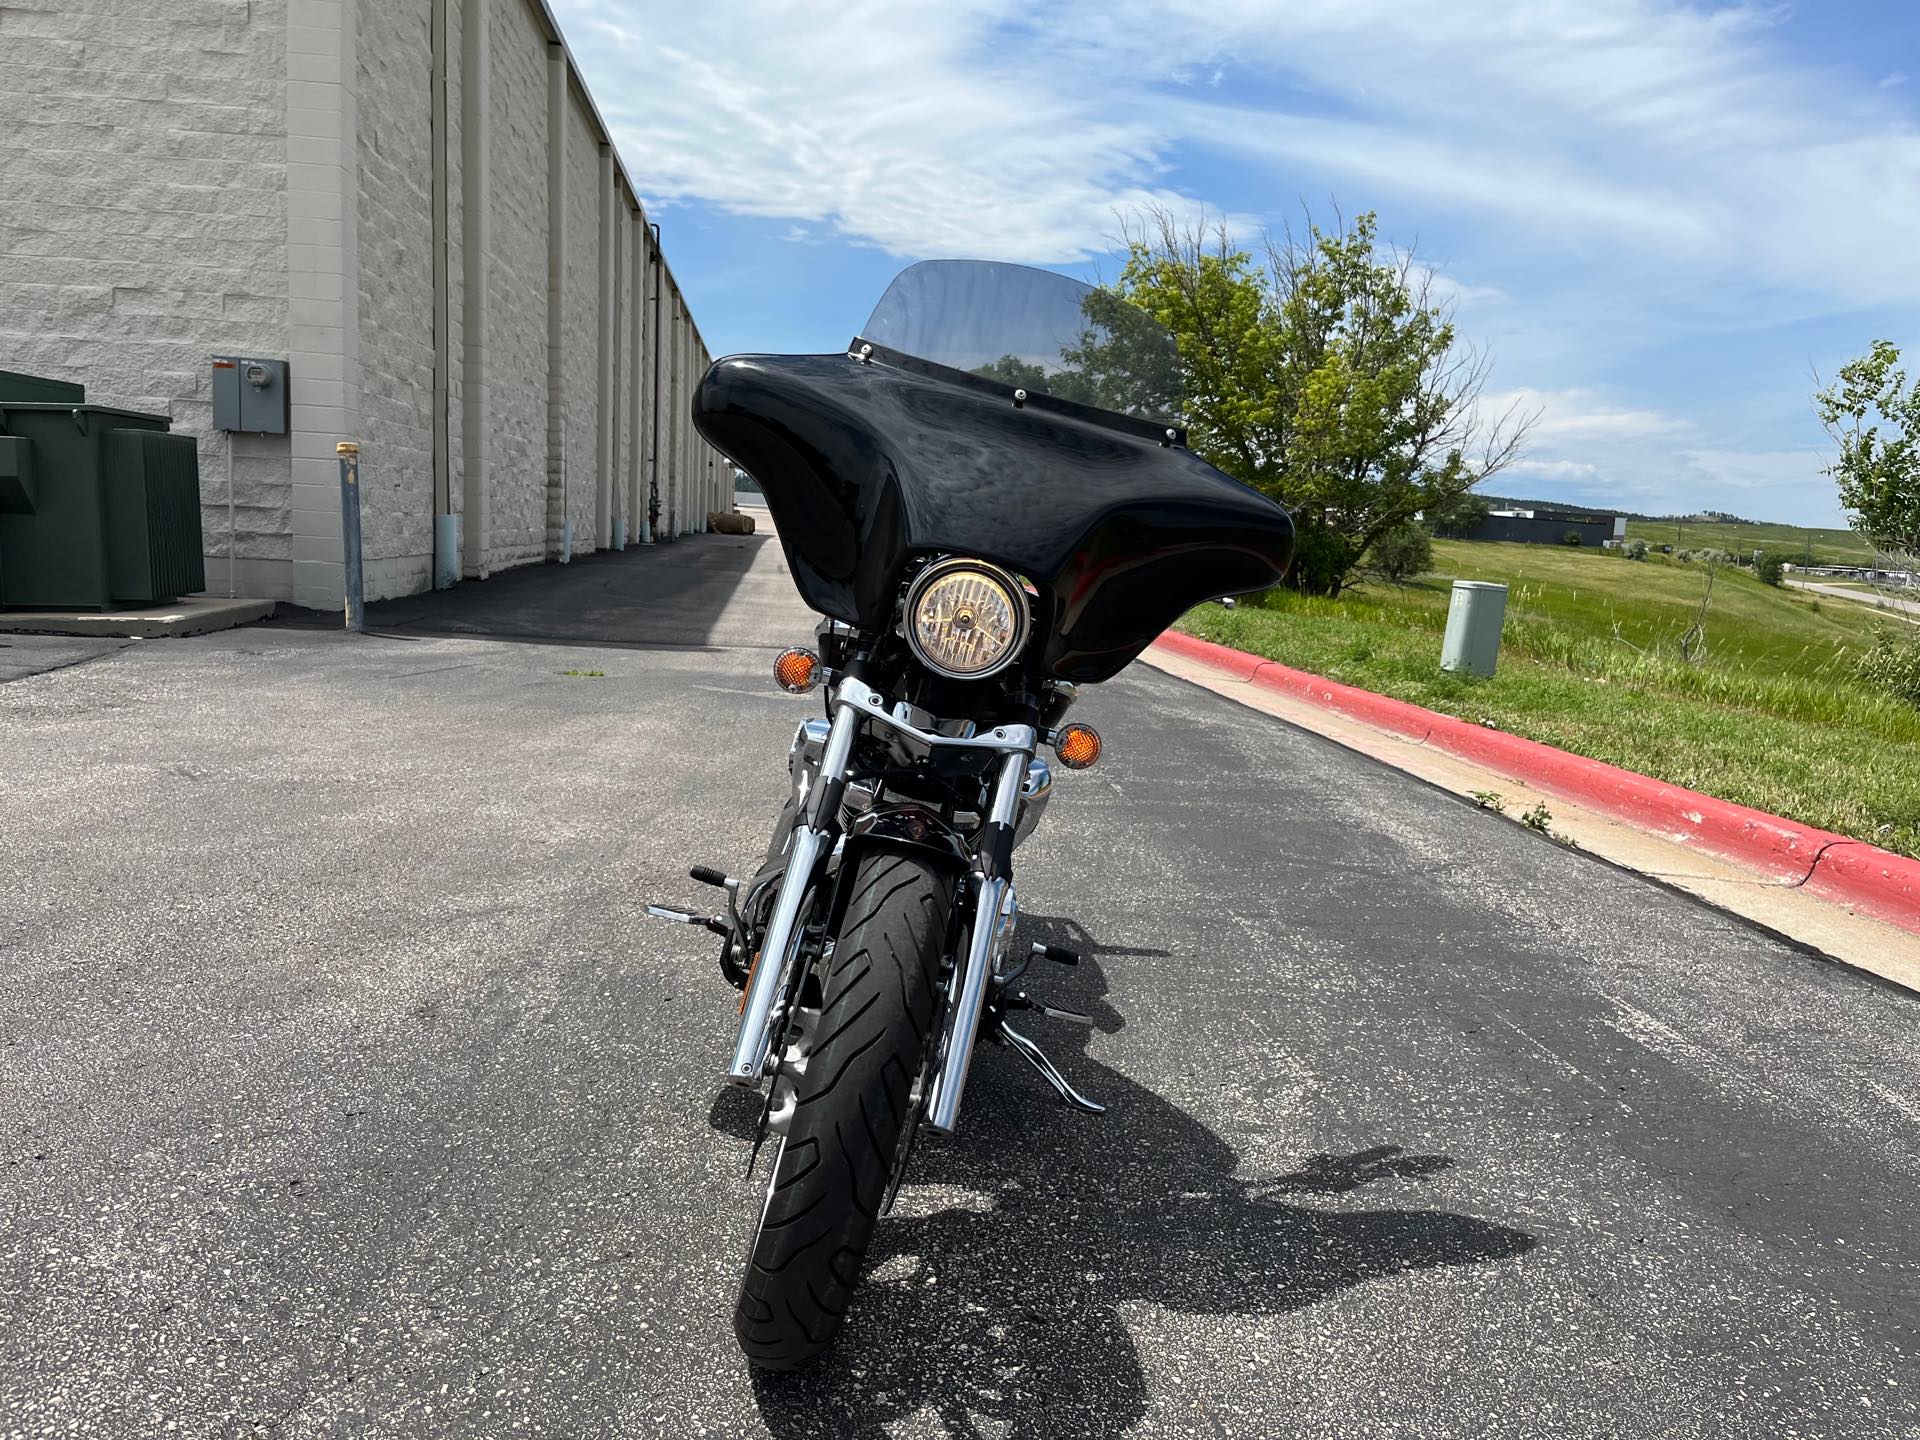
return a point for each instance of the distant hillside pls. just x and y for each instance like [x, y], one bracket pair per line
[1559, 507]
[1800, 544]
[1567, 507]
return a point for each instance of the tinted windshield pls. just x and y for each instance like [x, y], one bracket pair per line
[1033, 329]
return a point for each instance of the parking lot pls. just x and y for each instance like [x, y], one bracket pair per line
[345, 1090]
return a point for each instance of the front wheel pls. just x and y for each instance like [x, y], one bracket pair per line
[846, 1111]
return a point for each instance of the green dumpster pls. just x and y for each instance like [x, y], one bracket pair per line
[98, 506]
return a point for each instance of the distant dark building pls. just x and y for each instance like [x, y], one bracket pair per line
[1549, 527]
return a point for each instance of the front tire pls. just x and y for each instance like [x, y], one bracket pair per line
[849, 1108]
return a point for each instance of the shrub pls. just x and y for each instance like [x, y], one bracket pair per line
[1769, 566]
[1320, 560]
[1685, 557]
[1635, 549]
[1403, 552]
[1460, 516]
[1572, 537]
[1893, 665]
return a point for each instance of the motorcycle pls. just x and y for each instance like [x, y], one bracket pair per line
[984, 499]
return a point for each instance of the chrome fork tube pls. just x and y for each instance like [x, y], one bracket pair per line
[749, 1063]
[970, 995]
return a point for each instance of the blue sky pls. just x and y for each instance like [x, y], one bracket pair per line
[1657, 217]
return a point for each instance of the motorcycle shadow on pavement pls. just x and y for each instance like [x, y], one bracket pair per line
[997, 1292]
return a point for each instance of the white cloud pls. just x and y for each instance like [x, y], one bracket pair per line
[902, 135]
[1566, 415]
[1557, 469]
[1462, 296]
[1619, 181]
[1442, 288]
[1014, 131]
[1760, 469]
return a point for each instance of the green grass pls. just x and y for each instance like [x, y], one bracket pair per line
[1772, 717]
[1652, 602]
[1829, 547]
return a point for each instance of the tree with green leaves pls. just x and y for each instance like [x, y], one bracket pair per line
[1872, 411]
[1461, 515]
[1326, 375]
[1403, 552]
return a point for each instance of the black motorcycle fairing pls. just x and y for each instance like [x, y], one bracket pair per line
[866, 465]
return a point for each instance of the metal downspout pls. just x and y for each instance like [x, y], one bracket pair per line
[653, 451]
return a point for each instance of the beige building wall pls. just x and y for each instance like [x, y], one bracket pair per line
[145, 226]
[416, 204]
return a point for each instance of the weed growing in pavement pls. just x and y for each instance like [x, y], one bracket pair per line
[1538, 818]
[585, 674]
[1490, 800]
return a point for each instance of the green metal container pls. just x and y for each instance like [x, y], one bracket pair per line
[98, 506]
[37, 390]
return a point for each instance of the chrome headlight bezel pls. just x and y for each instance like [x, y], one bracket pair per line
[1016, 595]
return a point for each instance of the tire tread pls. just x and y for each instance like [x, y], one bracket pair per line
[834, 1168]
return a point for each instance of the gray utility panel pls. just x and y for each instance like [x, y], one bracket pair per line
[1474, 620]
[250, 394]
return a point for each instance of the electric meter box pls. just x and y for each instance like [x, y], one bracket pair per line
[250, 394]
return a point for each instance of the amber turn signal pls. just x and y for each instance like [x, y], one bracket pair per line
[1078, 746]
[797, 670]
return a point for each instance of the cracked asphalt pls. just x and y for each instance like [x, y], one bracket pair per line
[345, 1091]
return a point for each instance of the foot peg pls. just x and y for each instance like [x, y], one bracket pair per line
[1036, 1057]
[716, 923]
[728, 927]
[1059, 954]
[1020, 1000]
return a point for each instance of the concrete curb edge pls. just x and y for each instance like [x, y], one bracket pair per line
[1875, 881]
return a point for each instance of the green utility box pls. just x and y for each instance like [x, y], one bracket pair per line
[98, 507]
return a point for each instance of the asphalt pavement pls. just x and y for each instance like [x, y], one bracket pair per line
[345, 1091]
[1879, 599]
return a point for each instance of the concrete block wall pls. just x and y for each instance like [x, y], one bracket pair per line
[516, 269]
[395, 63]
[186, 177]
[323, 283]
[145, 227]
[581, 360]
[625, 227]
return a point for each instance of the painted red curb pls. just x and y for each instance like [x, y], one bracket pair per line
[1875, 881]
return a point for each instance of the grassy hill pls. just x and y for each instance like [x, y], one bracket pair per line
[1587, 593]
[1829, 547]
[1772, 717]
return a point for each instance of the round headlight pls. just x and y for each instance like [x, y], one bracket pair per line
[966, 619]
